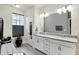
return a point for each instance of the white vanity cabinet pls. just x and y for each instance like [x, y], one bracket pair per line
[67, 50]
[35, 42]
[46, 46]
[62, 48]
[38, 42]
[54, 49]
[42, 44]
[55, 45]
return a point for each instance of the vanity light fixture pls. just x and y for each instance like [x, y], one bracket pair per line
[69, 8]
[46, 15]
[64, 10]
[59, 11]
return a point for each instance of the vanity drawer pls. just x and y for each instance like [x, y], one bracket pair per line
[67, 50]
[46, 40]
[47, 43]
[60, 49]
[63, 43]
[46, 47]
[46, 51]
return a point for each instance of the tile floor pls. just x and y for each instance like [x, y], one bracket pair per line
[28, 50]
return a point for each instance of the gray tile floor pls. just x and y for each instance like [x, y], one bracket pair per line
[28, 50]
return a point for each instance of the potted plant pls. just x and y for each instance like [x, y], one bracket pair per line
[18, 41]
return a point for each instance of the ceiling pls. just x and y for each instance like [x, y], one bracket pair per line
[39, 5]
[26, 6]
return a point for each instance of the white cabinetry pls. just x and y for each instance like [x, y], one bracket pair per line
[35, 41]
[62, 48]
[53, 46]
[38, 42]
[67, 50]
[46, 46]
[54, 49]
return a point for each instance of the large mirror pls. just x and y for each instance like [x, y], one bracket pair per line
[59, 23]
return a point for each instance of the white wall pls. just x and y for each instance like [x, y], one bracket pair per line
[29, 12]
[75, 19]
[37, 19]
[5, 13]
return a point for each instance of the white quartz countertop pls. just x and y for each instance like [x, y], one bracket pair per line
[68, 39]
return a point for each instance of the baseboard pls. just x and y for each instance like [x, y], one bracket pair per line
[40, 51]
[29, 44]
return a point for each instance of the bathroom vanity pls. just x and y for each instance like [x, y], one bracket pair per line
[55, 44]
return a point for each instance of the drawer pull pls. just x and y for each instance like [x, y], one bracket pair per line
[59, 48]
[46, 50]
[46, 44]
[37, 41]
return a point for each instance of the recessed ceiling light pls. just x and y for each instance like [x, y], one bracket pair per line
[18, 6]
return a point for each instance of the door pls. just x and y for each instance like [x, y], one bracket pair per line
[35, 41]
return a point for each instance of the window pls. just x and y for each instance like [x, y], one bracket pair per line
[17, 19]
[17, 25]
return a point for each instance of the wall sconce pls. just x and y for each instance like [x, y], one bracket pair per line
[64, 10]
[59, 11]
[69, 8]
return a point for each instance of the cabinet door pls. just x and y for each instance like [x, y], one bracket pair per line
[55, 49]
[40, 43]
[46, 45]
[35, 42]
[67, 50]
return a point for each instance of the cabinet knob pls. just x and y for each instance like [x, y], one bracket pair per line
[37, 41]
[46, 50]
[59, 48]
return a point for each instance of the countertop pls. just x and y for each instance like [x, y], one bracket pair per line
[63, 38]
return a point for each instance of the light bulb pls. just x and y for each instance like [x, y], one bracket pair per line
[59, 11]
[64, 9]
[69, 8]
[42, 15]
[46, 15]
